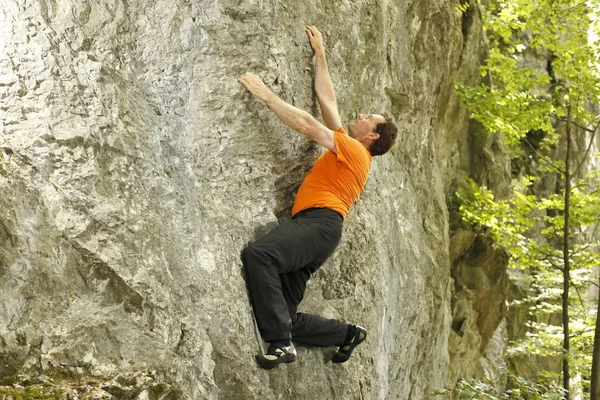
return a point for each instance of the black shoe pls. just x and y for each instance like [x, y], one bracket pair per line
[357, 335]
[276, 356]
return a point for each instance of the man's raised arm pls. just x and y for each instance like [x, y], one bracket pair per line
[295, 118]
[323, 83]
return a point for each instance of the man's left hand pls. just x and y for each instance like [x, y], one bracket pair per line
[316, 39]
[255, 85]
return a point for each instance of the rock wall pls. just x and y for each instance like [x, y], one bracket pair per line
[136, 168]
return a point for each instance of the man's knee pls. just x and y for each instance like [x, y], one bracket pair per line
[253, 255]
[248, 254]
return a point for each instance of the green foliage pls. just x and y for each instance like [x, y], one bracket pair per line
[521, 96]
[462, 8]
[512, 104]
[37, 392]
[518, 388]
[507, 220]
[510, 222]
[563, 29]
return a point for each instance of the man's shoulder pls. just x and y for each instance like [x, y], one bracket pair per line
[350, 149]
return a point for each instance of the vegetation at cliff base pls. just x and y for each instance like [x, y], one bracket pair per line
[519, 388]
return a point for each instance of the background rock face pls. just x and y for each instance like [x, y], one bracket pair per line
[136, 168]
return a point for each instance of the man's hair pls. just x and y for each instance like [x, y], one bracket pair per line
[387, 135]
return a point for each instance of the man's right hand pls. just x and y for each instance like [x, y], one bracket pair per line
[316, 39]
[255, 85]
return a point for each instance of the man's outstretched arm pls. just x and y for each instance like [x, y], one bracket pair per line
[295, 118]
[323, 83]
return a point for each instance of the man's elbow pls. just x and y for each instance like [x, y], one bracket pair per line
[311, 128]
[303, 123]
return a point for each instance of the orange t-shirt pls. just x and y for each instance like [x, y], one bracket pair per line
[336, 180]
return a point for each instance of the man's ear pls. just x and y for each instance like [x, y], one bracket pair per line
[374, 135]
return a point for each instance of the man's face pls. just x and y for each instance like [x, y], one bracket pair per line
[363, 127]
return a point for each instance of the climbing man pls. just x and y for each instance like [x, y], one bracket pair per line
[279, 264]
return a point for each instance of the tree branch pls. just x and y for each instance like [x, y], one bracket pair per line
[575, 7]
[591, 283]
[587, 150]
[543, 157]
[556, 117]
[579, 250]
[578, 293]
[581, 332]
[556, 266]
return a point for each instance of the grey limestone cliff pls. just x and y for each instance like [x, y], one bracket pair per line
[135, 169]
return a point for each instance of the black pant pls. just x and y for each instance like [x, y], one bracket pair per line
[279, 264]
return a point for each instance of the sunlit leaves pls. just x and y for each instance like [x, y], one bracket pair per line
[543, 68]
[518, 98]
[529, 228]
[462, 8]
[507, 221]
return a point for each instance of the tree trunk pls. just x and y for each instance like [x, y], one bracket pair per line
[595, 378]
[566, 270]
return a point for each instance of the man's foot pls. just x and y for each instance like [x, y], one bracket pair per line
[356, 335]
[277, 355]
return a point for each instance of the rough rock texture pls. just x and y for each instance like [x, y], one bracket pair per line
[478, 302]
[136, 168]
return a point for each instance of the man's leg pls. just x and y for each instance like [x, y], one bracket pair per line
[289, 247]
[307, 240]
[315, 330]
[308, 328]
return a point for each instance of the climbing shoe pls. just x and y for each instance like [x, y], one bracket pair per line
[356, 335]
[277, 355]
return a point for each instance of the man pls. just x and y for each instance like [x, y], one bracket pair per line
[279, 264]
